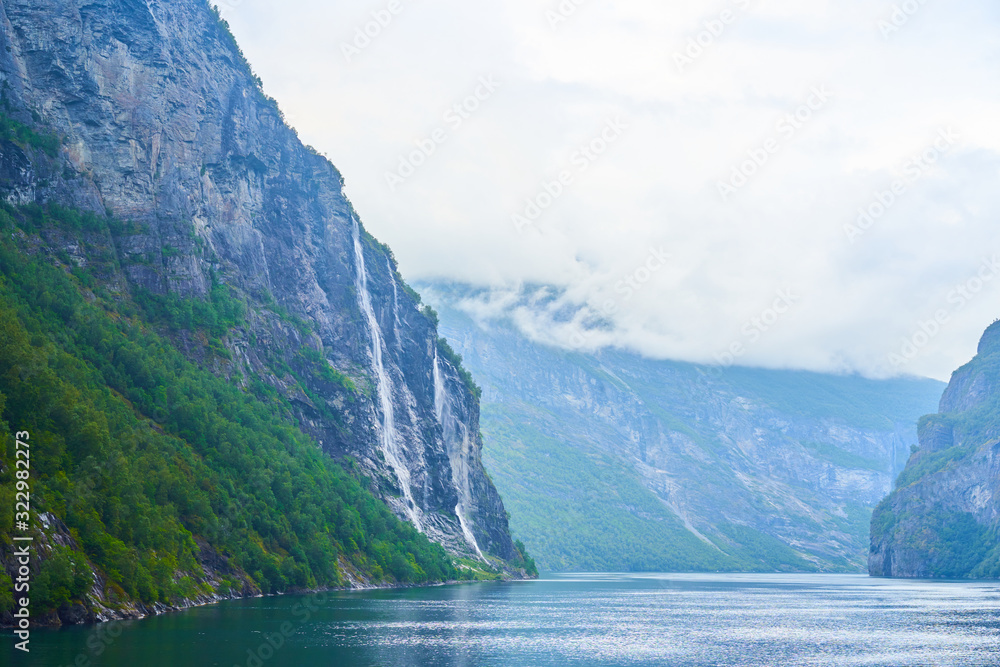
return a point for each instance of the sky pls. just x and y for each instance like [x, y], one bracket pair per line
[782, 183]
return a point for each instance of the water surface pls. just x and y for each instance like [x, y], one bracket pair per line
[581, 620]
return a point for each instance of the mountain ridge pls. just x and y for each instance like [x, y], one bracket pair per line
[708, 467]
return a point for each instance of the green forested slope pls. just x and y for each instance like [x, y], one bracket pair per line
[584, 509]
[941, 520]
[143, 454]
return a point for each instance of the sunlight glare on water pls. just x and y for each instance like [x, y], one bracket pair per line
[588, 620]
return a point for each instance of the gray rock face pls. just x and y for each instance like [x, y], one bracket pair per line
[941, 520]
[163, 124]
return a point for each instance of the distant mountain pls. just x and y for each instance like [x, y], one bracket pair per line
[610, 461]
[944, 516]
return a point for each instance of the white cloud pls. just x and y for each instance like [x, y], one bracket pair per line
[657, 184]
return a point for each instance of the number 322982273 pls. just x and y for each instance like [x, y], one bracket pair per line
[22, 465]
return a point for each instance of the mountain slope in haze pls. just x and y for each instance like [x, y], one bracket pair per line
[943, 518]
[609, 461]
[139, 156]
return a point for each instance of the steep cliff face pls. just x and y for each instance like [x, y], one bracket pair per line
[610, 461]
[162, 124]
[943, 517]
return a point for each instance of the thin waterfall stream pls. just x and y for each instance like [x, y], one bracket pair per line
[458, 468]
[383, 384]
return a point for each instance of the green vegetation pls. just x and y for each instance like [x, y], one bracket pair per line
[954, 544]
[841, 457]
[924, 464]
[523, 560]
[599, 456]
[948, 542]
[455, 359]
[64, 576]
[477, 570]
[770, 553]
[884, 519]
[326, 371]
[140, 452]
[412, 293]
[6, 592]
[303, 327]
[215, 316]
[27, 137]
[230, 40]
[431, 315]
[34, 217]
[981, 424]
[857, 520]
[581, 509]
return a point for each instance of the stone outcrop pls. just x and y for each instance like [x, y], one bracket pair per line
[163, 125]
[942, 519]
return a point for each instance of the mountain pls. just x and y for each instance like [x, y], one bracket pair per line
[610, 461]
[942, 519]
[193, 310]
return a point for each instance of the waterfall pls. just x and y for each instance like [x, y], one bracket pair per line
[395, 305]
[383, 384]
[457, 444]
[440, 393]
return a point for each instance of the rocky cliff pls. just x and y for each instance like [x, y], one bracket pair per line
[162, 124]
[943, 517]
[611, 461]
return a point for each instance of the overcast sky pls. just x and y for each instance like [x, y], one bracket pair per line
[729, 148]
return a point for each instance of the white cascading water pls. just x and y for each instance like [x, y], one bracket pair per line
[395, 305]
[383, 385]
[457, 445]
[408, 399]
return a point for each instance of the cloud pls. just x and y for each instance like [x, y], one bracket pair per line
[745, 86]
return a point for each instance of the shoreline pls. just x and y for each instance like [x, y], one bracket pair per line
[141, 612]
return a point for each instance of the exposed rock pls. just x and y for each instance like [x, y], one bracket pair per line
[796, 457]
[163, 125]
[942, 519]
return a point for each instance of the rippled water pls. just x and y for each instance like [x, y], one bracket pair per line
[599, 620]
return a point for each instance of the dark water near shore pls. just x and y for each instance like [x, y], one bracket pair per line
[583, 620]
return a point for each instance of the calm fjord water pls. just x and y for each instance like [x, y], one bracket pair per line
[584, 620]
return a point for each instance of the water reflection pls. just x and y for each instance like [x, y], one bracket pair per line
[591, 620]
